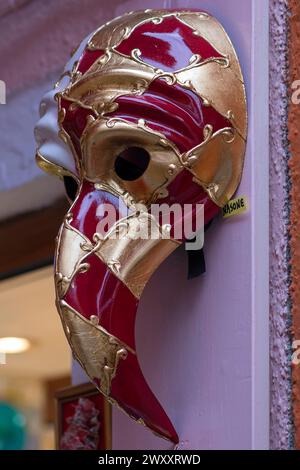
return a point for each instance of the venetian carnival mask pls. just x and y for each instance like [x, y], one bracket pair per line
[150, 109]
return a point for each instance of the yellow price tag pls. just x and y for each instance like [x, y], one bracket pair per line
[235, 207]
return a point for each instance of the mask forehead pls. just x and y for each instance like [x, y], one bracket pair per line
[192, 55]
[181, 42]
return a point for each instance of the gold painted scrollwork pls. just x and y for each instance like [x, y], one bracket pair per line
[98, 351]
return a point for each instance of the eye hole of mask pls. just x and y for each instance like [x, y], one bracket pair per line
[132, 163]
[71, 187]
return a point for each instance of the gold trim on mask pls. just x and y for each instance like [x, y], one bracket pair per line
[214, 84]
[112, 351]
[115, 31]
[85, 338]
[64, 135]
[52, 168]
[132, 258]
[111, 76]
[109, 138]
[95, 348]
[215, 163]
[209, 28]
[71, 257]
[134, 261]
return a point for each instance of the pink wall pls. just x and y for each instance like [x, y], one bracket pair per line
[203, 344]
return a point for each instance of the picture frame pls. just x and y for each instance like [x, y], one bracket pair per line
[83, 419]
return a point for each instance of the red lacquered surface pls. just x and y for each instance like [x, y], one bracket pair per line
[168, 45]
[139, 398]
[99, 292]
[183, 190]
[74, 123]
[89, 209]
[176, 112]
[87, 60]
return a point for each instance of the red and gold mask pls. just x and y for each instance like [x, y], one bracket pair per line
[150, 109]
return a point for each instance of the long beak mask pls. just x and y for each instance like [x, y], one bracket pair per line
[127, 128]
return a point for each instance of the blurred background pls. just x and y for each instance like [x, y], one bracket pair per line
[34, 371]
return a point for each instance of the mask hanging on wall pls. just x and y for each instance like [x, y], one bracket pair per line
[151, 109]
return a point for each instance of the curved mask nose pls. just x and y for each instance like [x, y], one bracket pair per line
[99, 280]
